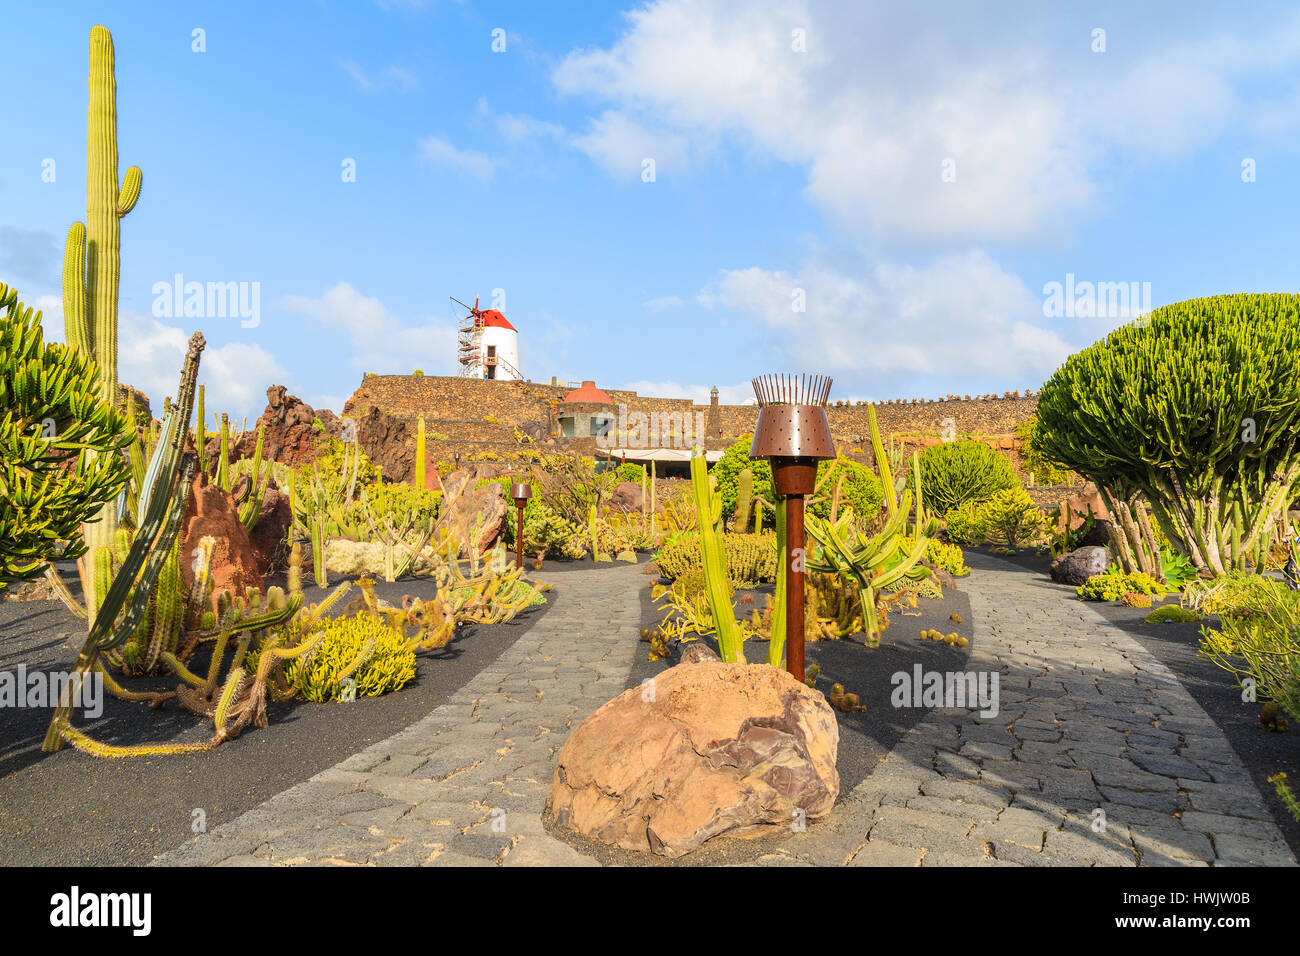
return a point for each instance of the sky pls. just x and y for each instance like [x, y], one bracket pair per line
[881, 192]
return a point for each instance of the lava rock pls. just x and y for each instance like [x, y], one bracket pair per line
[1078, 565]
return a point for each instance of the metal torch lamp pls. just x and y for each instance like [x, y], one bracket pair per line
[793, 434]
[520, 492]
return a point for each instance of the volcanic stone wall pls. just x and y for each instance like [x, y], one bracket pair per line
[476, 415]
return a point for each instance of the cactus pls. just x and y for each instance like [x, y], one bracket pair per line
[654, 503]
[318, 552]
[200, 433]
[162, 503]
[223, 455]
[708, 505]
[295, 568]
[420, 455]
[90, 281]
[744, 499]
[251, 509]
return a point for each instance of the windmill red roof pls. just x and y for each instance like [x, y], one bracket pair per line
[491, 318]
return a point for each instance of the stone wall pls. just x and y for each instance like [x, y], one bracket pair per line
[475, 416]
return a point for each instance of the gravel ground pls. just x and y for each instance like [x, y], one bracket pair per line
[73, 809]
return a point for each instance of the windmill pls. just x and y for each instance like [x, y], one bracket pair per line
[487, 344]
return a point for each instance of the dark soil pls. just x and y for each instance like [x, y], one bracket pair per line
[1175, 645]
[69, 808]
[866, 736]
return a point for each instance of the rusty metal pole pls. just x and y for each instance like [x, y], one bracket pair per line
[793, 434]
[521, 492]
[794, 558]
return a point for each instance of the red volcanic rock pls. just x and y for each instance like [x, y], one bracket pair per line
[211, 511]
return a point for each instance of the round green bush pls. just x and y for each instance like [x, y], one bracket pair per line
[727, 471]
[956, 472]
[861, 490]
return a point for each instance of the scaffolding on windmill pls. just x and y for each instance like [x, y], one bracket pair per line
[487, 344]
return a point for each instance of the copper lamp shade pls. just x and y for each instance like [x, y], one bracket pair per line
[521, 492]
[794, 434]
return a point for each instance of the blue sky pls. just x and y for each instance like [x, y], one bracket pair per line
[777, 169]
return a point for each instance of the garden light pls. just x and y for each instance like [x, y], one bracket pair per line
[793, 434]
[520, 492]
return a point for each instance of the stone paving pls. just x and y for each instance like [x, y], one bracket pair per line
[1098, 756]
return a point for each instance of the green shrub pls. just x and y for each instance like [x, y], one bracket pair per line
[726, 473]
[1237, 593]
[545, 530]
[1011, 518]
[1171, 614]
[389, 666]
[751, 558]
[946, 557]
[861, 490]
[1111, 586]
[630, 471]
[1262, 644]
[966, 525]
[956, 472]
[401, 502]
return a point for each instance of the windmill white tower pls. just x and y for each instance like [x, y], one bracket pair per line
[488, 344]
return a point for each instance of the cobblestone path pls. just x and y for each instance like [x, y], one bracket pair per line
[1089, 722]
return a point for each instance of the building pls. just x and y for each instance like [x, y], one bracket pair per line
[488, 346]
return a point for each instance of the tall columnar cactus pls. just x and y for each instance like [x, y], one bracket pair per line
[92, 255]
[420, 455]
[200, 433]
[744, 499]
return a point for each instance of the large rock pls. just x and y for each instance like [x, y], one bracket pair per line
[388, 442]
[290, 434]
[1080, 564]
[465, 508]
[270, 533]
[211, 511]
[626, 497]
[705, 749]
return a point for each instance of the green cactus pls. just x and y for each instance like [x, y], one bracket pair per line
[318, 552]
[708, 505]
[251, 509]
[161, 506]
[223, 455]
[90, 294]
[744, 499]
[200, 433]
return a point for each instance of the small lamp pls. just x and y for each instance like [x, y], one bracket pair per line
[794, 434]
[520, 492]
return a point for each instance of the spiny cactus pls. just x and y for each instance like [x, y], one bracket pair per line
[421, 457]
[90, 281]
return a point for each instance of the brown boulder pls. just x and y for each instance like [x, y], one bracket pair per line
[389, 442]
[704, 749]
[290, 434]
[626, 497]
[1080, 564]
[211, 511]
[465, 508]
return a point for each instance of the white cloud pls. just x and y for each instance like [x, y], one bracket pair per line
[886, 93]
[518, 127]
[442, 153]
[390, 77]
[621, 144]
[380, 342]
[888, 328]
[663, 302]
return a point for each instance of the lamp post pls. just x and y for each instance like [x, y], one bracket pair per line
[793, 434]
[520, 492]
